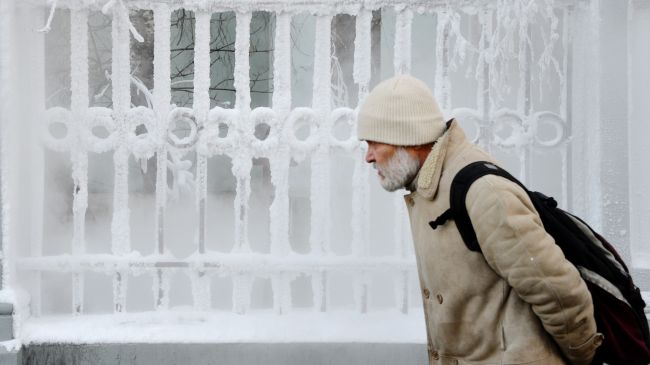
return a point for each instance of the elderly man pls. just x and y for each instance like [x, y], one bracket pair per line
[517, 302]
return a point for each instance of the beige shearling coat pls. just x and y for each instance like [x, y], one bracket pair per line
[498, 307]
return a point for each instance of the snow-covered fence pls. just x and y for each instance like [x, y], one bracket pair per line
[504, 43]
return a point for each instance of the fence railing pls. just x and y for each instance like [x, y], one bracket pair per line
[505, 46]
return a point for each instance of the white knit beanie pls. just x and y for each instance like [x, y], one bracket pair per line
[400, 111]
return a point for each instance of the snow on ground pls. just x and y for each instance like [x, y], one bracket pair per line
[223, 327]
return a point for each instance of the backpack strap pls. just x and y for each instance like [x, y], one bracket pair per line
[459, 188]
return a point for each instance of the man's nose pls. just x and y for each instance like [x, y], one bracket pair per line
[370, 156]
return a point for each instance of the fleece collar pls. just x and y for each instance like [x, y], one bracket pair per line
[429, 175]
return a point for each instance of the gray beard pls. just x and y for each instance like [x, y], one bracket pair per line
[400, 170]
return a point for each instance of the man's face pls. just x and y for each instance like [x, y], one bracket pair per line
[395, 166]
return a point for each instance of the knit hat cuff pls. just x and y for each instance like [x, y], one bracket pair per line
[400, 134]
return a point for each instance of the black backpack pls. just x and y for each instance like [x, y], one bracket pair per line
[618, 305]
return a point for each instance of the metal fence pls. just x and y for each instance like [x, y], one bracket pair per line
[507, 46]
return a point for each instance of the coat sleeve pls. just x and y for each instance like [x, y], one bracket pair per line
[519, 249]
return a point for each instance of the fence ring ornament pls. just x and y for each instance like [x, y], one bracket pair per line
[142, 145]
[348, 116]
[265, 115]
[521, 134]
[99, 117]
[303, 116]
[61, 116]
[185, 115]
[467, 115]
[558, 125]
[209, 141]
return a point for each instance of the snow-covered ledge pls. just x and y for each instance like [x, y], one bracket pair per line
[195, 327]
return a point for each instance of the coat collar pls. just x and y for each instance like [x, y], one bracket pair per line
[427, 181]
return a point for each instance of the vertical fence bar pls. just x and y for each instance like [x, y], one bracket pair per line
[442, 86]
[585, 118]
[320, 168]
[201, 109]
[78, 154]
[565, 107]
[524, 103]
[483, 94]
[162, 101]
[402, 65]
[360, 196]
[200, 280]
[242, 162]
[402, 59]
[120, 78]
[279, 210]
[6, 10]
[282, 105]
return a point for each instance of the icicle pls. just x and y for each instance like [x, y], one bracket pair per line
[121, 8]
[47, 28]
[403, 41]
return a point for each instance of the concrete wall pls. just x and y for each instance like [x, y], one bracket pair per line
[226, 354]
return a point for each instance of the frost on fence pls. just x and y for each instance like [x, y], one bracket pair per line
[490, 65]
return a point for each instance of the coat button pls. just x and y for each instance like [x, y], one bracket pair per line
[410, 201]
[599, 339]
[439, 297]
[435, 355]
[426, 293]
